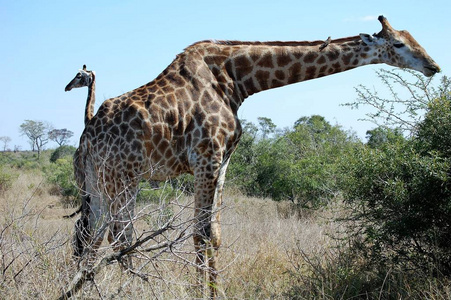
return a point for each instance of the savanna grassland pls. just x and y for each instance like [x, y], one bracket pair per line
[260, 239]
[270, 250]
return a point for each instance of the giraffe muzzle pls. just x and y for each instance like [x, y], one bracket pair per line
[431, 70]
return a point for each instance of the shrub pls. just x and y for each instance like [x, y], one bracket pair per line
[62, 152]
[61, 175]
[400, 189]
[155, 192]
[299, 165]
[6, 180]
[403, 203]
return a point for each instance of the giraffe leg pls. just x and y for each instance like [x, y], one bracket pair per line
[216, 228]
[90, 228]
[207, 237]
[121, 228]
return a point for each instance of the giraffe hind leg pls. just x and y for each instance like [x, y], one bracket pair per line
[90, 228]
[82, 234]
[120, 234]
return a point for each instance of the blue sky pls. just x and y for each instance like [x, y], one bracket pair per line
[128, 43]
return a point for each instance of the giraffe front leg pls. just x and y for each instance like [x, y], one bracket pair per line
[207, 237]
[202, 234]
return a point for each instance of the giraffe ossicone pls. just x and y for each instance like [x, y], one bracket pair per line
[185, 121]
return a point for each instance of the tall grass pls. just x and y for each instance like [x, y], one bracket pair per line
[269, 250]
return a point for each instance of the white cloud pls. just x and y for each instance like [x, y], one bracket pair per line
[361, 19]
[368, 18]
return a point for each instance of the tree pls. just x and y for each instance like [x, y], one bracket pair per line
[315, 123]
[400, 102]
[5, 140]
[37, 133]
[266, 126]
[60, 136]
[400, 192]
[298, 164]
[380, 136]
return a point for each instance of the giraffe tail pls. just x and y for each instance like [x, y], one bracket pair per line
[73, 214]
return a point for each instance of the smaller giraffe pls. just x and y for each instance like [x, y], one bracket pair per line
[81, 79]
[88, 78]
[85, 78]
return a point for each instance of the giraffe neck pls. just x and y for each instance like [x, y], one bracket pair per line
[90, 101]
[254, 67]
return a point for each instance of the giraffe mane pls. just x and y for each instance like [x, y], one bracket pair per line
[274, 43]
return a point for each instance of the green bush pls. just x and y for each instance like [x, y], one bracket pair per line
[403, 203]
[400, 192]
[6, 180]
[61, 175]
[62, 152]
[299, 165]
[156, 192]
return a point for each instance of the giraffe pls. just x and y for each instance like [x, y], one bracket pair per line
[185, 121]
[85, 78]
[81, 79]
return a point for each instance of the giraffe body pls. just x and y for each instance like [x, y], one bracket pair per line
[185, 121]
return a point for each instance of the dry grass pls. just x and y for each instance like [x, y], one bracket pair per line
[258, 235]
[268, 251]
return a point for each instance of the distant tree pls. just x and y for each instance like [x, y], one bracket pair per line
[60, 136]
[266, 126]
[380, 136]
[315, 123]
[299, 164]
[5, 140]
[37, 133]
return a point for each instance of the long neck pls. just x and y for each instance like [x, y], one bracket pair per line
[90, 101]
[256, 67]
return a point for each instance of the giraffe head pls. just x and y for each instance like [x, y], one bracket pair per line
[399, 49]
[83, 78]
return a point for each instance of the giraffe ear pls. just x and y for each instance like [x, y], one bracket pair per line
[367, 39]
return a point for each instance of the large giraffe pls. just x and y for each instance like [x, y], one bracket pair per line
[185, 121]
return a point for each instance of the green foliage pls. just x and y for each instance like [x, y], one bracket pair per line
[299, 164]
[381, 136]
[434, 132]
[342, 272]
[400, 192]
[400, 102]
[61, 175]
[22, 160]
[36, 131]
[60, 136]
[402, 200]
[6, 179]
[155, 192]
[62, 152]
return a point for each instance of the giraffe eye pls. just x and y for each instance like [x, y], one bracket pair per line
[399, 45]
